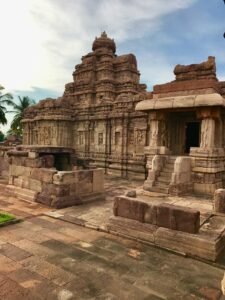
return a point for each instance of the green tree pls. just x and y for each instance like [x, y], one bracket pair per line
[5, 99]
[2, 136]
[18, 109]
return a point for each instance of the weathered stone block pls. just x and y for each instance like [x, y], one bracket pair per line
[98, 180]
[129, 208]
[219, 201]
[43, 174]
[73, 189]
[35, 185]
[48, 161]
[11, 179]
[84, 187]
[65, 177]
[18, 160]
[131, 194]
[32, 154]
[54, 189]
[163, 218]
[64, 201]
[44, 199]
[85, 182]
[33, 163]
[178, 218]
[17, 170]
[194, 244]
[150, 215]
[18, 182]
[25, 182]
[85, 176]
[207, 188]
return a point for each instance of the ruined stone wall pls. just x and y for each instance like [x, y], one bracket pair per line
[36, 172]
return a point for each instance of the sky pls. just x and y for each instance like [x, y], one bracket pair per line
[43, 40]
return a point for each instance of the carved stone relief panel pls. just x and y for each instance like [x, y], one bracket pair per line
[131, 136]
[140, 136]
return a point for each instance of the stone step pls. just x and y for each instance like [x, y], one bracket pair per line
[168, 169]
[166, 174]
[164, 179]
[161, 184]
[25, 197]
[158, 189]
[22, 193]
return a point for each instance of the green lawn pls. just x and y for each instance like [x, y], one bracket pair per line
[5, 217]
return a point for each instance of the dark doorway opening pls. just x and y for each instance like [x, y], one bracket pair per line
[62, 162]
[192, 130]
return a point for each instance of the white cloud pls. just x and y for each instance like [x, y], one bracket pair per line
[42, 40]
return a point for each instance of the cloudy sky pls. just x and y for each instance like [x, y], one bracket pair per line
[42, 40]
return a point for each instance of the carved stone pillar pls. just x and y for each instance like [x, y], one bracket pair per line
[208, 160]
[157, 134]
[207, 133]
[208, 126]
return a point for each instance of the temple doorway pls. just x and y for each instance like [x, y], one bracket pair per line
[192, 132]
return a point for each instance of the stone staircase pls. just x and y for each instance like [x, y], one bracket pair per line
[163, 180]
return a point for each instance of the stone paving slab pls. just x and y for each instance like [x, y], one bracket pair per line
[45, 258]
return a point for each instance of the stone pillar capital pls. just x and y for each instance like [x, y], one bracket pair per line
[159, 116]
[208, 113]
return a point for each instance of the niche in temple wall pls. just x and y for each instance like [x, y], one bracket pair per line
[139, 140]
[84, 101]
[131, 136]
[80, 138]
[46, 135]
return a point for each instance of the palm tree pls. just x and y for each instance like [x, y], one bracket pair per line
[5, 99]
[18, 109]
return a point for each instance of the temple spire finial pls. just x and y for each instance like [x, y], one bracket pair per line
[104, 34]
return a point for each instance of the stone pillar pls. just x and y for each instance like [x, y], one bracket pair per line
[157, 134]
[124, 150]
[208, 126]
[207, 133]
[154, 133]
[208, 160]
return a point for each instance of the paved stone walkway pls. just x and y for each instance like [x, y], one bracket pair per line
[47, 258]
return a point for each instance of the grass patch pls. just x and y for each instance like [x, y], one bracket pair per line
[5, 217]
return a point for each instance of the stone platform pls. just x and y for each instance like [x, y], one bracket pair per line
[207, 244]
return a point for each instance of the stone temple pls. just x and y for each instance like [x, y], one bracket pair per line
[173, 136]
[172, 139]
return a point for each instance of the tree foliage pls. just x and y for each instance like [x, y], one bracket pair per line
[5, 99]
[18, 109]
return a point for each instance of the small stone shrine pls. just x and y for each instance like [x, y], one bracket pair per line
[187, 132]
